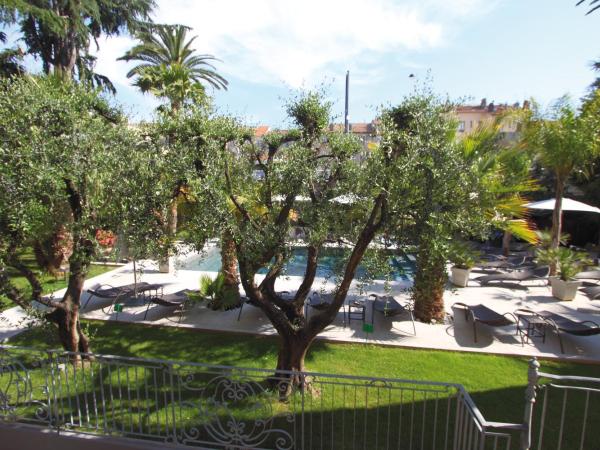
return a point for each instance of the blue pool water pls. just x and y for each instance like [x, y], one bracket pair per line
[402, 267]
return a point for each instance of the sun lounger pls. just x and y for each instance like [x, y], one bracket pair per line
[486, 316]
[177, 301]
[518, 276]
[117, 293]
[589, 275]
[561, 324]
[390, 307]
[286, 296]
[501, 263]
[592, 292]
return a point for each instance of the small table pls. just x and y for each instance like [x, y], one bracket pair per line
[534, 326]
[356, 310]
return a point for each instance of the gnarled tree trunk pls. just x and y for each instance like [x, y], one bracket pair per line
[290, 363]
[66, 315]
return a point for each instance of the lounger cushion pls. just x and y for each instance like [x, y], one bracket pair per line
[570, 326]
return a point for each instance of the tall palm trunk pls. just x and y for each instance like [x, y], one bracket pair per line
[431, 276]
[506, 238]
[557, 218]
[429, 285]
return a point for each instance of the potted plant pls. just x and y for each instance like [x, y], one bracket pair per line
[463, 259]
[568, 264]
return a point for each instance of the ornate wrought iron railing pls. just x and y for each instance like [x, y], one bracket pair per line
[211, 406]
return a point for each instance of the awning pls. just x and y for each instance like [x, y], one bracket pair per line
[567, 205]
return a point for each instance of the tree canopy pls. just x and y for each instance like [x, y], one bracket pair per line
[60, 32]
[69, 158]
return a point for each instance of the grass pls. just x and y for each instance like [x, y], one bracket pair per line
[496, 383]
[49, 282]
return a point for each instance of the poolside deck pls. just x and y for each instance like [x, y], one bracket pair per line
[397, 331]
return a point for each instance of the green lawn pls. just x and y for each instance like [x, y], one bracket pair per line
[50, 283]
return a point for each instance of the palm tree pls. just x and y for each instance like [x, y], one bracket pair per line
[504, 170]
[564, 143]
[59, 32]
[169, 67]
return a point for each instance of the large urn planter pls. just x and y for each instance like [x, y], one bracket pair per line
[564, 290]
[459, 277]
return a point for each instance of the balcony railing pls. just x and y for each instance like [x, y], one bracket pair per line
[202, 405]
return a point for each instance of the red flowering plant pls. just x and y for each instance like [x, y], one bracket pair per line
[105, 238]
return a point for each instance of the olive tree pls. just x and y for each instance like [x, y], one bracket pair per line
[62, 149]
[444, 189]
[267, 185]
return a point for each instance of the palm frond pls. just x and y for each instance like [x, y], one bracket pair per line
[168, 67]
[595, 4]
[522, 229]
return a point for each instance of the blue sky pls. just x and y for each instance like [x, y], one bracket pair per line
[504, 50]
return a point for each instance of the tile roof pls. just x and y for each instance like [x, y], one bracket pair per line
[261, 130]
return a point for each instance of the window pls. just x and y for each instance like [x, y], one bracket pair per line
[461, 125]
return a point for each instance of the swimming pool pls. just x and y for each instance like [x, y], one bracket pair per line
[402, 267]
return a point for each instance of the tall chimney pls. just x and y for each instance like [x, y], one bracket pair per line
[346, 123]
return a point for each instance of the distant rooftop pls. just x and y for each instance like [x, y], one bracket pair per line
[484, 106]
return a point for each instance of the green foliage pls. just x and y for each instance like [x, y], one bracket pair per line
[309, 113]
[564, 140]
[11, 62]
[545, 239]
[215, 292]
[462, 255]
[568, 262]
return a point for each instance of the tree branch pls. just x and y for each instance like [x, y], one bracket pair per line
[376, 219]
[309, 275]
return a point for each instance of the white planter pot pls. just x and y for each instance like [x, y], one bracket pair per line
[460, 277]
[564, 290]
[164, 265]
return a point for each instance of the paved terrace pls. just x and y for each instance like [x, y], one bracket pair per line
[395, 331]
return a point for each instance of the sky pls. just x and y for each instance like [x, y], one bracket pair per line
[503, 50]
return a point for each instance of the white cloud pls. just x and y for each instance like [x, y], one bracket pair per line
[292, 41]
[296, 42]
